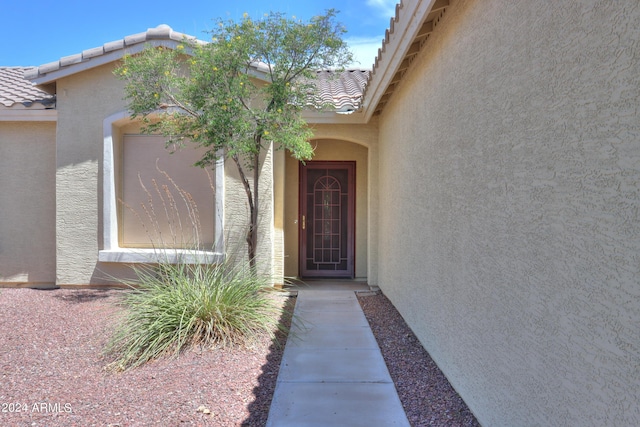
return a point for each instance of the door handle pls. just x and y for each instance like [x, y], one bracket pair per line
[304, 222]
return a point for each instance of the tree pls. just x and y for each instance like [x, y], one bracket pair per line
[238, 92]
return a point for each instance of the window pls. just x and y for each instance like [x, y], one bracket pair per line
[165, 200]
[153, 198]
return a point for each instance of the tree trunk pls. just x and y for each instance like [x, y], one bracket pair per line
[252, 197]
[252, 239]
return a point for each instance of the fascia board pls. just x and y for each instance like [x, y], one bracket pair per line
[114, 55]
[412, 14]
[330, 117]
[28, 115]
[97, 61]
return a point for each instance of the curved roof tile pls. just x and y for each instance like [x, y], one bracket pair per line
[15, 89]
[342, 90]
[84, 59]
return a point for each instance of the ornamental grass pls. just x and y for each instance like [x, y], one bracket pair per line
[171, 307]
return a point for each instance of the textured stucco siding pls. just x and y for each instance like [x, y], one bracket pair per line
[84, 100]
[509, 208]
[236, 213]
[27, 203]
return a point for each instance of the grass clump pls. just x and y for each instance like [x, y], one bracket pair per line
[174, 306]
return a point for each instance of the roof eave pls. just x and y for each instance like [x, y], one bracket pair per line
[257, 70]
[333, 117]
[27, 115]
[89, 63]
[395, 47]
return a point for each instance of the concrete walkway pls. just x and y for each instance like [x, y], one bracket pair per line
[332, 372]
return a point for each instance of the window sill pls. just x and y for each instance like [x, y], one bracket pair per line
[155, 256]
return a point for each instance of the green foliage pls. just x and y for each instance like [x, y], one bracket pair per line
[172, 307]
[244, 89]
[248, 84]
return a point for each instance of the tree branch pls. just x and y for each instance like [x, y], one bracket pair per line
[179, 104]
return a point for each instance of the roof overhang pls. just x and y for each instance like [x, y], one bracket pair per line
[407, 33]
[348, 97]
[162, 35]
[335, 117]
[69, 65]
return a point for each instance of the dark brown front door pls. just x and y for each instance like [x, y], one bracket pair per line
[327, 219]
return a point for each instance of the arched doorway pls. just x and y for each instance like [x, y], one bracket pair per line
[333, 152]
[327, 219]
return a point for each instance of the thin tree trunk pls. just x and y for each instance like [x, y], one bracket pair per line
[251, 237]
[253, 229]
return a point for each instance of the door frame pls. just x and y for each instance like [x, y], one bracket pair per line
[350, 166]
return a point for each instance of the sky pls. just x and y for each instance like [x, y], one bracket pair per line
[37, 32]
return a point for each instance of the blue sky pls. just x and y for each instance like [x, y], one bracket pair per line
[36, 32]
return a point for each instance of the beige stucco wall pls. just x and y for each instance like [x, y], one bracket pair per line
[509, 208]
[236, 215]
[84, 100]
[27, 203]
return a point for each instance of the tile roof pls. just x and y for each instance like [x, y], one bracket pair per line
[108, 52]
[343, 91]
[409, 30]
[16, 91]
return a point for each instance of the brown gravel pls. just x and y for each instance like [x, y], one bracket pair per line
[52, 370]
[426, 395]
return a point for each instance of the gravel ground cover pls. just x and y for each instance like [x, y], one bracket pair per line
[426, 395]
[52, 370]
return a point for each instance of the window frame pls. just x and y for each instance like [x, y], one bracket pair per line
[111, 250]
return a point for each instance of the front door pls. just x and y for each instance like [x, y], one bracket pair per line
[327, 219]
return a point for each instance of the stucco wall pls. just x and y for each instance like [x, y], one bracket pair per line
[236, 214]
[84, 100]
[27, 203]
[509, 208]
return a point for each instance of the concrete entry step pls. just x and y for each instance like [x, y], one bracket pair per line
[332, 372]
